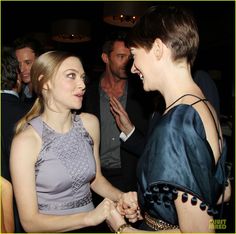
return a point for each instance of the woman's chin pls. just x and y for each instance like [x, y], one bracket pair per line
[76, 107]
[146, 88]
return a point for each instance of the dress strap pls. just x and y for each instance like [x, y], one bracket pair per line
[204, 101]
[176, 101]
[217, 125]
[37, 124]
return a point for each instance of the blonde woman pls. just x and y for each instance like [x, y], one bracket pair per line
[55, 154]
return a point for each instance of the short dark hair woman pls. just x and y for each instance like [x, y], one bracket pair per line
[181, 173]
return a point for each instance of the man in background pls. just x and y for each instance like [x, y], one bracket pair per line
[27, 49]
[12, 110]
[118, 165]
[11, 107]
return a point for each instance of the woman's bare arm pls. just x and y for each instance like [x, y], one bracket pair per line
[24, 152]
[100, 184]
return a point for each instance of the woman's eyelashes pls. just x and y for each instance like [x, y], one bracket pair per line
[71, 75]
[75, 75]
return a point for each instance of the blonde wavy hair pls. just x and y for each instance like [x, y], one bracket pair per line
[43, 70]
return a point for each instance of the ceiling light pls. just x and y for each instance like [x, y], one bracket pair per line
[123, 14]
[71, 31]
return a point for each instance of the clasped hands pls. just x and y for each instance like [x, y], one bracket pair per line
[125, 209]
[127, 206]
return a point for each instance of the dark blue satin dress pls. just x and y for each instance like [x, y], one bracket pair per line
[178, 157]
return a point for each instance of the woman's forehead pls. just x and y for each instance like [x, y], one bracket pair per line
[71, 63]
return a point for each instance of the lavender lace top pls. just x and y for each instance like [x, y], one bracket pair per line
[64, 169]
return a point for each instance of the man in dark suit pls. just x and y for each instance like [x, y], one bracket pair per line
[11, 108]
[118, 165]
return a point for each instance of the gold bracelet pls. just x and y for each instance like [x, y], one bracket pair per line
[122, 227]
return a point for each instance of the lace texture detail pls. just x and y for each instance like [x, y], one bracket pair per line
[67, 205]
[64, 168]
[48, 138]
[74, 156]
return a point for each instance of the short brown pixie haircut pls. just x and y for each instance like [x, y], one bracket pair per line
[175, 26]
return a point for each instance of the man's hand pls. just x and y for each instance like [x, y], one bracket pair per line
[121, 117]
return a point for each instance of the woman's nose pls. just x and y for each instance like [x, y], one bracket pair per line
[81, 84]
[133, 68]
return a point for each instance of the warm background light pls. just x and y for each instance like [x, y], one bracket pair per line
[123, 14]
[71, 31]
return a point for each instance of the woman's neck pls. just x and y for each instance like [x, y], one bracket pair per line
[178, 82]
[60, 122]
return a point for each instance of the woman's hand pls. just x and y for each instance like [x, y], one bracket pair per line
[128, 206]
[114, 219]
[100, 213]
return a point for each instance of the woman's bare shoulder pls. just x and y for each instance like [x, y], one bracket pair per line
[27, 138]
[89, 120]
[91, 124]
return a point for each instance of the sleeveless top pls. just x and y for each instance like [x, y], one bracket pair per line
[64, 169]
[179, 157]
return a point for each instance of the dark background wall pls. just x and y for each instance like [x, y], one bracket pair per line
[216, 22]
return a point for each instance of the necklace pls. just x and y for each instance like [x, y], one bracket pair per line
[178, 100]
